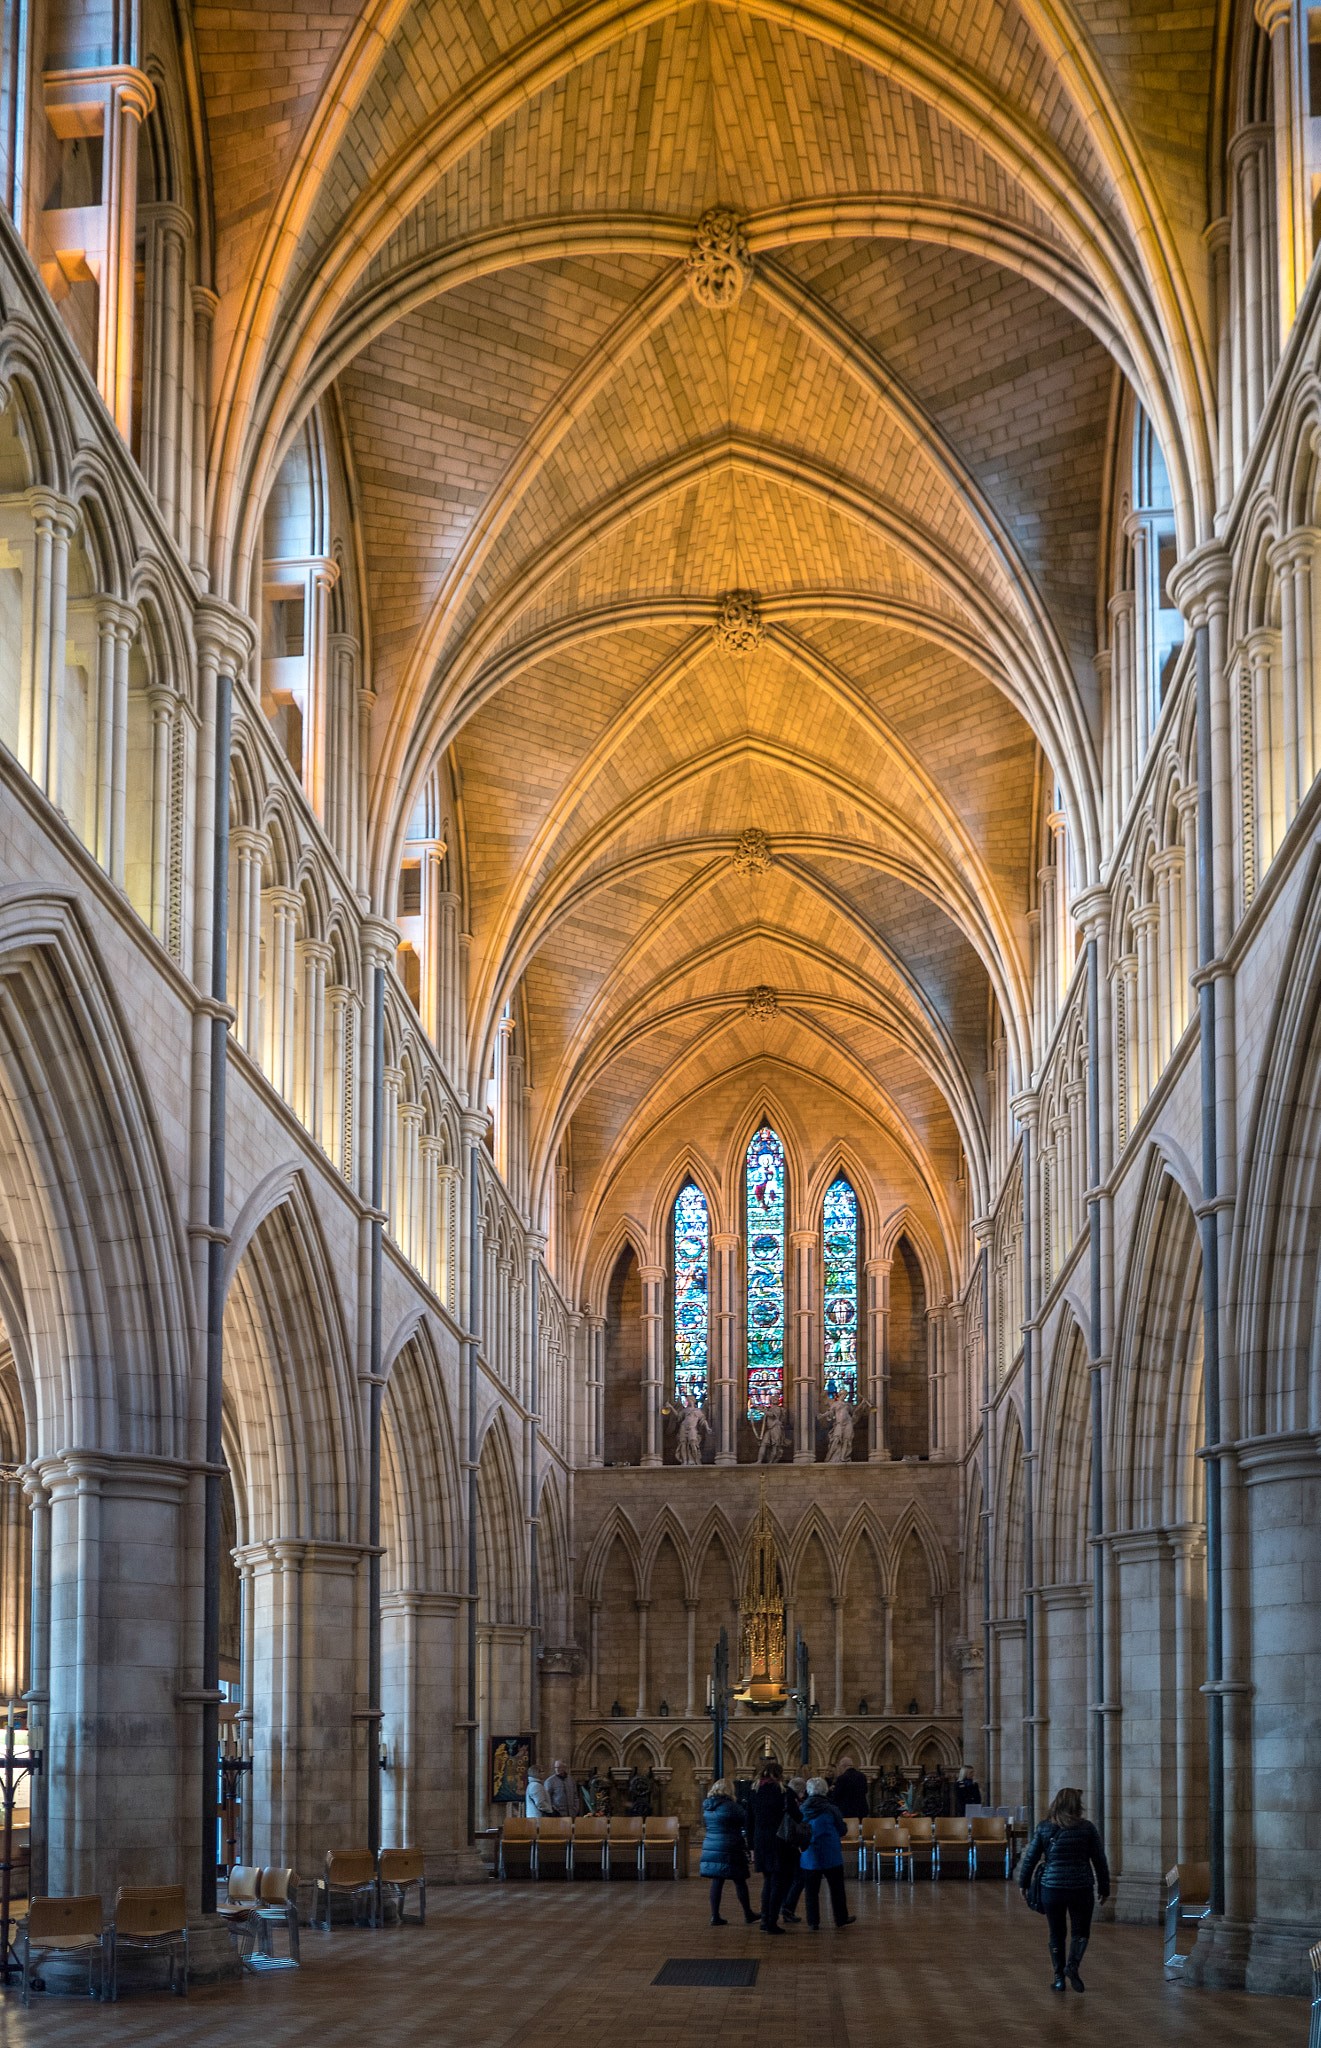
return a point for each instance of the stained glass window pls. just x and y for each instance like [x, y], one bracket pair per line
[840, 1230]
[765, 1195]
[691, 1242]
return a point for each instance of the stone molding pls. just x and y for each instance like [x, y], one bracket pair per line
[719, 266]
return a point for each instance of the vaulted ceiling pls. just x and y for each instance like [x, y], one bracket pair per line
[963, 223]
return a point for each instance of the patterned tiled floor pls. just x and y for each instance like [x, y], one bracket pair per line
[570, 1966]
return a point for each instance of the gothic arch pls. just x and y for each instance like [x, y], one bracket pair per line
[1157, 1389]
[616, 1524]
[94, 1247]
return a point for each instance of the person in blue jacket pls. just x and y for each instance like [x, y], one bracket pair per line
[725, 1849]
[823, 1857]
[1069, 1848]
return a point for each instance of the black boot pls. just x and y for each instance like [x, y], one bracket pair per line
[716, 1921]
[1057, 1958]
[1077, 1950]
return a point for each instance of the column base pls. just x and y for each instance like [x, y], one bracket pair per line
[878, 1457]
[725, 1458]
[212, 1955]
[1277, 1959]
[1219, 1962]
[804, 1457]
[652, 1458]
[1140, 1899]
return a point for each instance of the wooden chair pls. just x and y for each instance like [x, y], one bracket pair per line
[242, 1890]
[991, 1836]
[63, 1927]
[518, 1846]
[1314, 2032]
[591, 1845]
[625, 1844]
[554, 1845]
[276, 1906]
[921, 1831]
[352, 1873]
[866, 1839]
[954, 1839]
[1187, 1900]
[397, 1870]
[889, 1848]
[852, 1844]
[660, 1843]
[153, 1919]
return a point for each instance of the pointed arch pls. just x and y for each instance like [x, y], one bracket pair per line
[617, 1526]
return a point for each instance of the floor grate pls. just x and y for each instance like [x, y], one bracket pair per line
[703, 1970]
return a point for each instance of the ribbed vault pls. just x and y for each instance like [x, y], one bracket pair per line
[965, 228]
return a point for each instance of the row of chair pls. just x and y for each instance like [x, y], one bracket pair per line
[358, 1874]
[150, 1918]
[897, 1845]
[601, 1843]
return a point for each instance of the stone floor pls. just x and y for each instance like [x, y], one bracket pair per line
[570, 1966]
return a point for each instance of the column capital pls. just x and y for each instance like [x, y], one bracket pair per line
[1025, 1106]
[802, 1240]
[315, 952]
[1091, 909]
[1168, 862]
[287, 901]
[1294, 547]
[224, 635]
[379, 940]
[70, 95]
[1199, 584]
[880, 1265]
[1272, 14]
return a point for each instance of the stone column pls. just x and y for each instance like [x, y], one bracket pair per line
[165, 419]
[314, 961]
[690, 1693]
[116, 625]
[1123, 608]
[837, 1608]
[45, 627]
[119, 1729]
[1189, 1547]
[594, 1655]
[1286, 26]
[250, 850]
[433, 893]
[1144, 925]
[560, 1668]
[653, 1363]
[110, 101]
[724, 1324]
[595, 1328]
[643, 1607]
[805, 1244]
[323, 574]
[410, 1136]
[341, 1014]
[283, 906]
[887, 1608]
[309, 1669]
[392, 1082]
[878, 1359]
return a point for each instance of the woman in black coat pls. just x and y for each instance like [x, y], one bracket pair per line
[766, 1807]
[725, 1849]
[1069, 1850]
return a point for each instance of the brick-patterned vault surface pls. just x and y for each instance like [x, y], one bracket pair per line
[533, 1966]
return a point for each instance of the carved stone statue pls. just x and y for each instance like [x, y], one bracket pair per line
[616, 1712]
[600, 1793]
[694, 1424]
[773, 1434]
[838, 1415]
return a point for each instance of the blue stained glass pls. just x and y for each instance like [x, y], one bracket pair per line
[765, 1200]
[840, 1230]
[691, 1241]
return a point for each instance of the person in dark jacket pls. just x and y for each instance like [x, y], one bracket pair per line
[794, 1882]
[725, 1849]
[766, 1811]
[1069, 1848]
[967, 1792]
[823, 1857]
[849, 1791]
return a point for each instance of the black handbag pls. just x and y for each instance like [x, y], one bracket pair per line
[795, 1833]
[1033, 1891]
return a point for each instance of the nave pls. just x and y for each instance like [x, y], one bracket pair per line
[571, 1966]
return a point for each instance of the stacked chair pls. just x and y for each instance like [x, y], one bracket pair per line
[152, 1919]
[62, 1927]
[991, 1836]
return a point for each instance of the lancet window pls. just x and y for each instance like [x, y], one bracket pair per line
[764, 1181]
[839, 1229]
[691, 1266]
